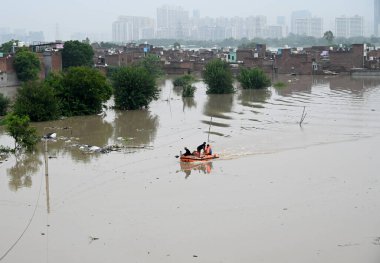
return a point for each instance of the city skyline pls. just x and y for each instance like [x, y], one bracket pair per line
[95, 18]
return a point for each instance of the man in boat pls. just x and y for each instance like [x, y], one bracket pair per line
[208, 150]
[200, 148]
[187, 152]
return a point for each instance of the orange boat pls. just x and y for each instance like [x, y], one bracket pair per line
[193, 158]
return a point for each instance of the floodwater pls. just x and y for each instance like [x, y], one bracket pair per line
[281, 192]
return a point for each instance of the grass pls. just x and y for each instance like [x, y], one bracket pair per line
[279, 85]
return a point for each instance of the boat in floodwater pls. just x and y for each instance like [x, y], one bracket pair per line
[193, 158]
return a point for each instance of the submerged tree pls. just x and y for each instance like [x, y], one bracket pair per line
[253, 78]
[19, 128]
[218, 77]
[38, 101]
[80, 90]
[134, 88]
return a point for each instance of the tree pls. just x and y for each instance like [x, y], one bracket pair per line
[38, 101]
[80, 91]
[152, 64]
[329, 36]
[4, 104]
[134, 88]
[26, 64]
[218, 77]
[19, 128]
[177, 45]
[183, 80]
[253, 79]
[8, 46]
[75, 54]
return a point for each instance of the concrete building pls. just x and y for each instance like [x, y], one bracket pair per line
[312, 26]
[172, 22]
[132, 28]
[349, 26]
[300, 14]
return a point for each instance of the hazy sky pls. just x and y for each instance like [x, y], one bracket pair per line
[96, 16]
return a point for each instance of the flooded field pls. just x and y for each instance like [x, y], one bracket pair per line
[280, 192]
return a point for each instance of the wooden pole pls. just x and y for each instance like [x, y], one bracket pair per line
[209, 128]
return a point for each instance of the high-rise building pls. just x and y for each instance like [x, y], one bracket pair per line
[376, 17]
[300, 14]
[172, 22]
[309, 26]
[132, 28]
[349, 26]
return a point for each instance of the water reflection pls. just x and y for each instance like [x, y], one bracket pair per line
[73, 132]
[299, 84]
[219, 105]
[21, 173]
[357, 86]
[254, 98]
[189, 103]
[200, 168]
[137, 127]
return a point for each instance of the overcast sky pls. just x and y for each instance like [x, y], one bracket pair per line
[96, 16]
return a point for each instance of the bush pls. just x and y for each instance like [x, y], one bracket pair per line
[253, 79]
[218, 77]
[38, 101]
[80, 91]
[19, 128]
[279, 85]
[134, 88]
[4, 104]
[183, 80]
[188, 91]
[26, 64]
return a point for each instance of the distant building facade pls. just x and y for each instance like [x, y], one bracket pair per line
[311, 26]
[132, 28]
[376, 17]
[172, 22]
[349, 26]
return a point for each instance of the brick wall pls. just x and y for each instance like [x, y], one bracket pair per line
[342, 61]
[288, 63]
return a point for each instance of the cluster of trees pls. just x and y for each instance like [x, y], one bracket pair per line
[185, 82]
[78, 90]
[219, 79]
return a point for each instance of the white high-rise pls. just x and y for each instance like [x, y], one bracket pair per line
[172, 22]
[132, 28]
[349, 26]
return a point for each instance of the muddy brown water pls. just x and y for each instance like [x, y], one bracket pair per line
[278, 186]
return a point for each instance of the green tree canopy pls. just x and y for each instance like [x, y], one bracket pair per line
[152, 64]
[38, 101]
[27, 65]
[329, 36]
[7, 46]
[19, 128]
[253, 79]
[80, 90]
[76, 54]
[4, 103]
[134, 88]
[218, 77]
